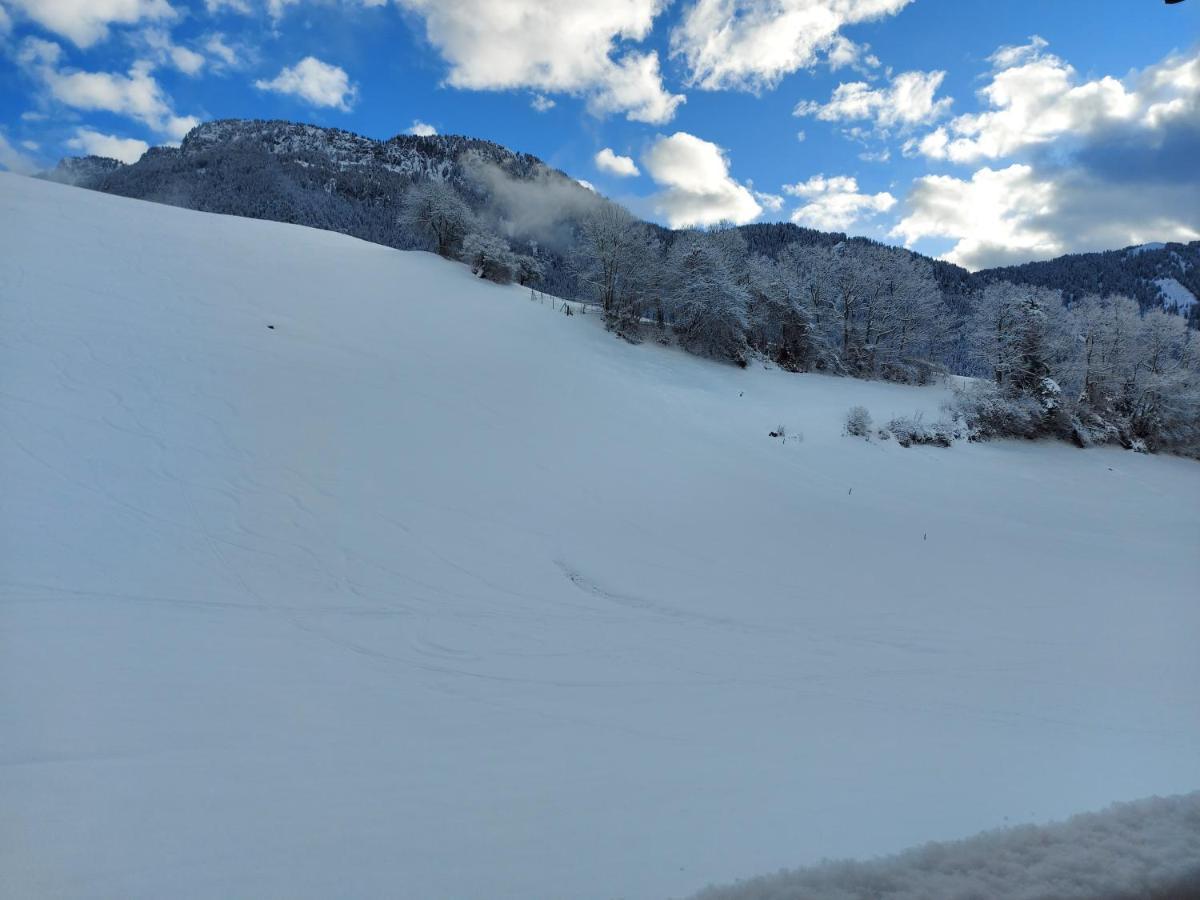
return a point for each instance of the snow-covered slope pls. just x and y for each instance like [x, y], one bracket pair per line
[432, 591]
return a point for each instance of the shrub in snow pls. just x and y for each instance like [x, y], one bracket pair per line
[991, 413]
[858, 422]
[909, 430]
[489, 257]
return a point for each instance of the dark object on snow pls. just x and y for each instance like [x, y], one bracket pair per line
[272, 327]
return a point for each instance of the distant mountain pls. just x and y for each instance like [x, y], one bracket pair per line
[340, 181]
[1153, 274]
[321, 177]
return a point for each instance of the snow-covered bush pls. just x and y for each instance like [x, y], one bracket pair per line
[490, 257]
[909, 430]
[992, 413]
[858, 422]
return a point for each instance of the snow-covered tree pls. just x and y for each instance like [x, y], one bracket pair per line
[434, 209]
[490, 257]
[617, 261]
[708, 308]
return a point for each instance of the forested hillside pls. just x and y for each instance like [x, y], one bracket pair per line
[1083, 348]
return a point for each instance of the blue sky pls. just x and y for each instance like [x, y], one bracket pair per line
[984, 132]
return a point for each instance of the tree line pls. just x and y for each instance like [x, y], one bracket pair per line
[1091, 370]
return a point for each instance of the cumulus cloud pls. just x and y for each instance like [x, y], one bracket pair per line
[542, 103]
[420, 129]
[994, 215]
[14, 160]
[135, 94]
[1092, 164]
[317, 82]
[1012, 215]
[94, 143]
[836, 203]
[613, 164]
[570, 48]
[908, 101]
[1036, 98]
[86, 22]
[697, 187]
[752, 44]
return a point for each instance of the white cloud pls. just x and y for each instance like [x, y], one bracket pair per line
[698, 189]
[769, 202]
[993, 216]
[136, 94]
[5, 21]
[221, 51]
[569, 48]
[908, 101]
[164, 50]
[218, 6]
[14, 160]
[801, 136]
[93, 143]
[1095, 164]
[421, 129]
[189, 62]
[1036, 98]
[319, 83]
[835, 204]
[1010, 215]
[587, 184]
[542, 103]
[85, 22]
[31, 146]
[621, 166]
[752, 44]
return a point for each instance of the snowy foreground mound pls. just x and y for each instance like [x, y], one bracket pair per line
[1148, 850]
[431, 591]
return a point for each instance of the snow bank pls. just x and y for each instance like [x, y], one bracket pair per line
[1145, 849]
[429, 590]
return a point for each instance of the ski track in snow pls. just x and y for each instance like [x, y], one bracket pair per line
[432, 591]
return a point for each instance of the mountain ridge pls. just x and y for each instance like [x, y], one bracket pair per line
[362, 180]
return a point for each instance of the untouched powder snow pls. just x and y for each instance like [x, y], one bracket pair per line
[432, 591]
